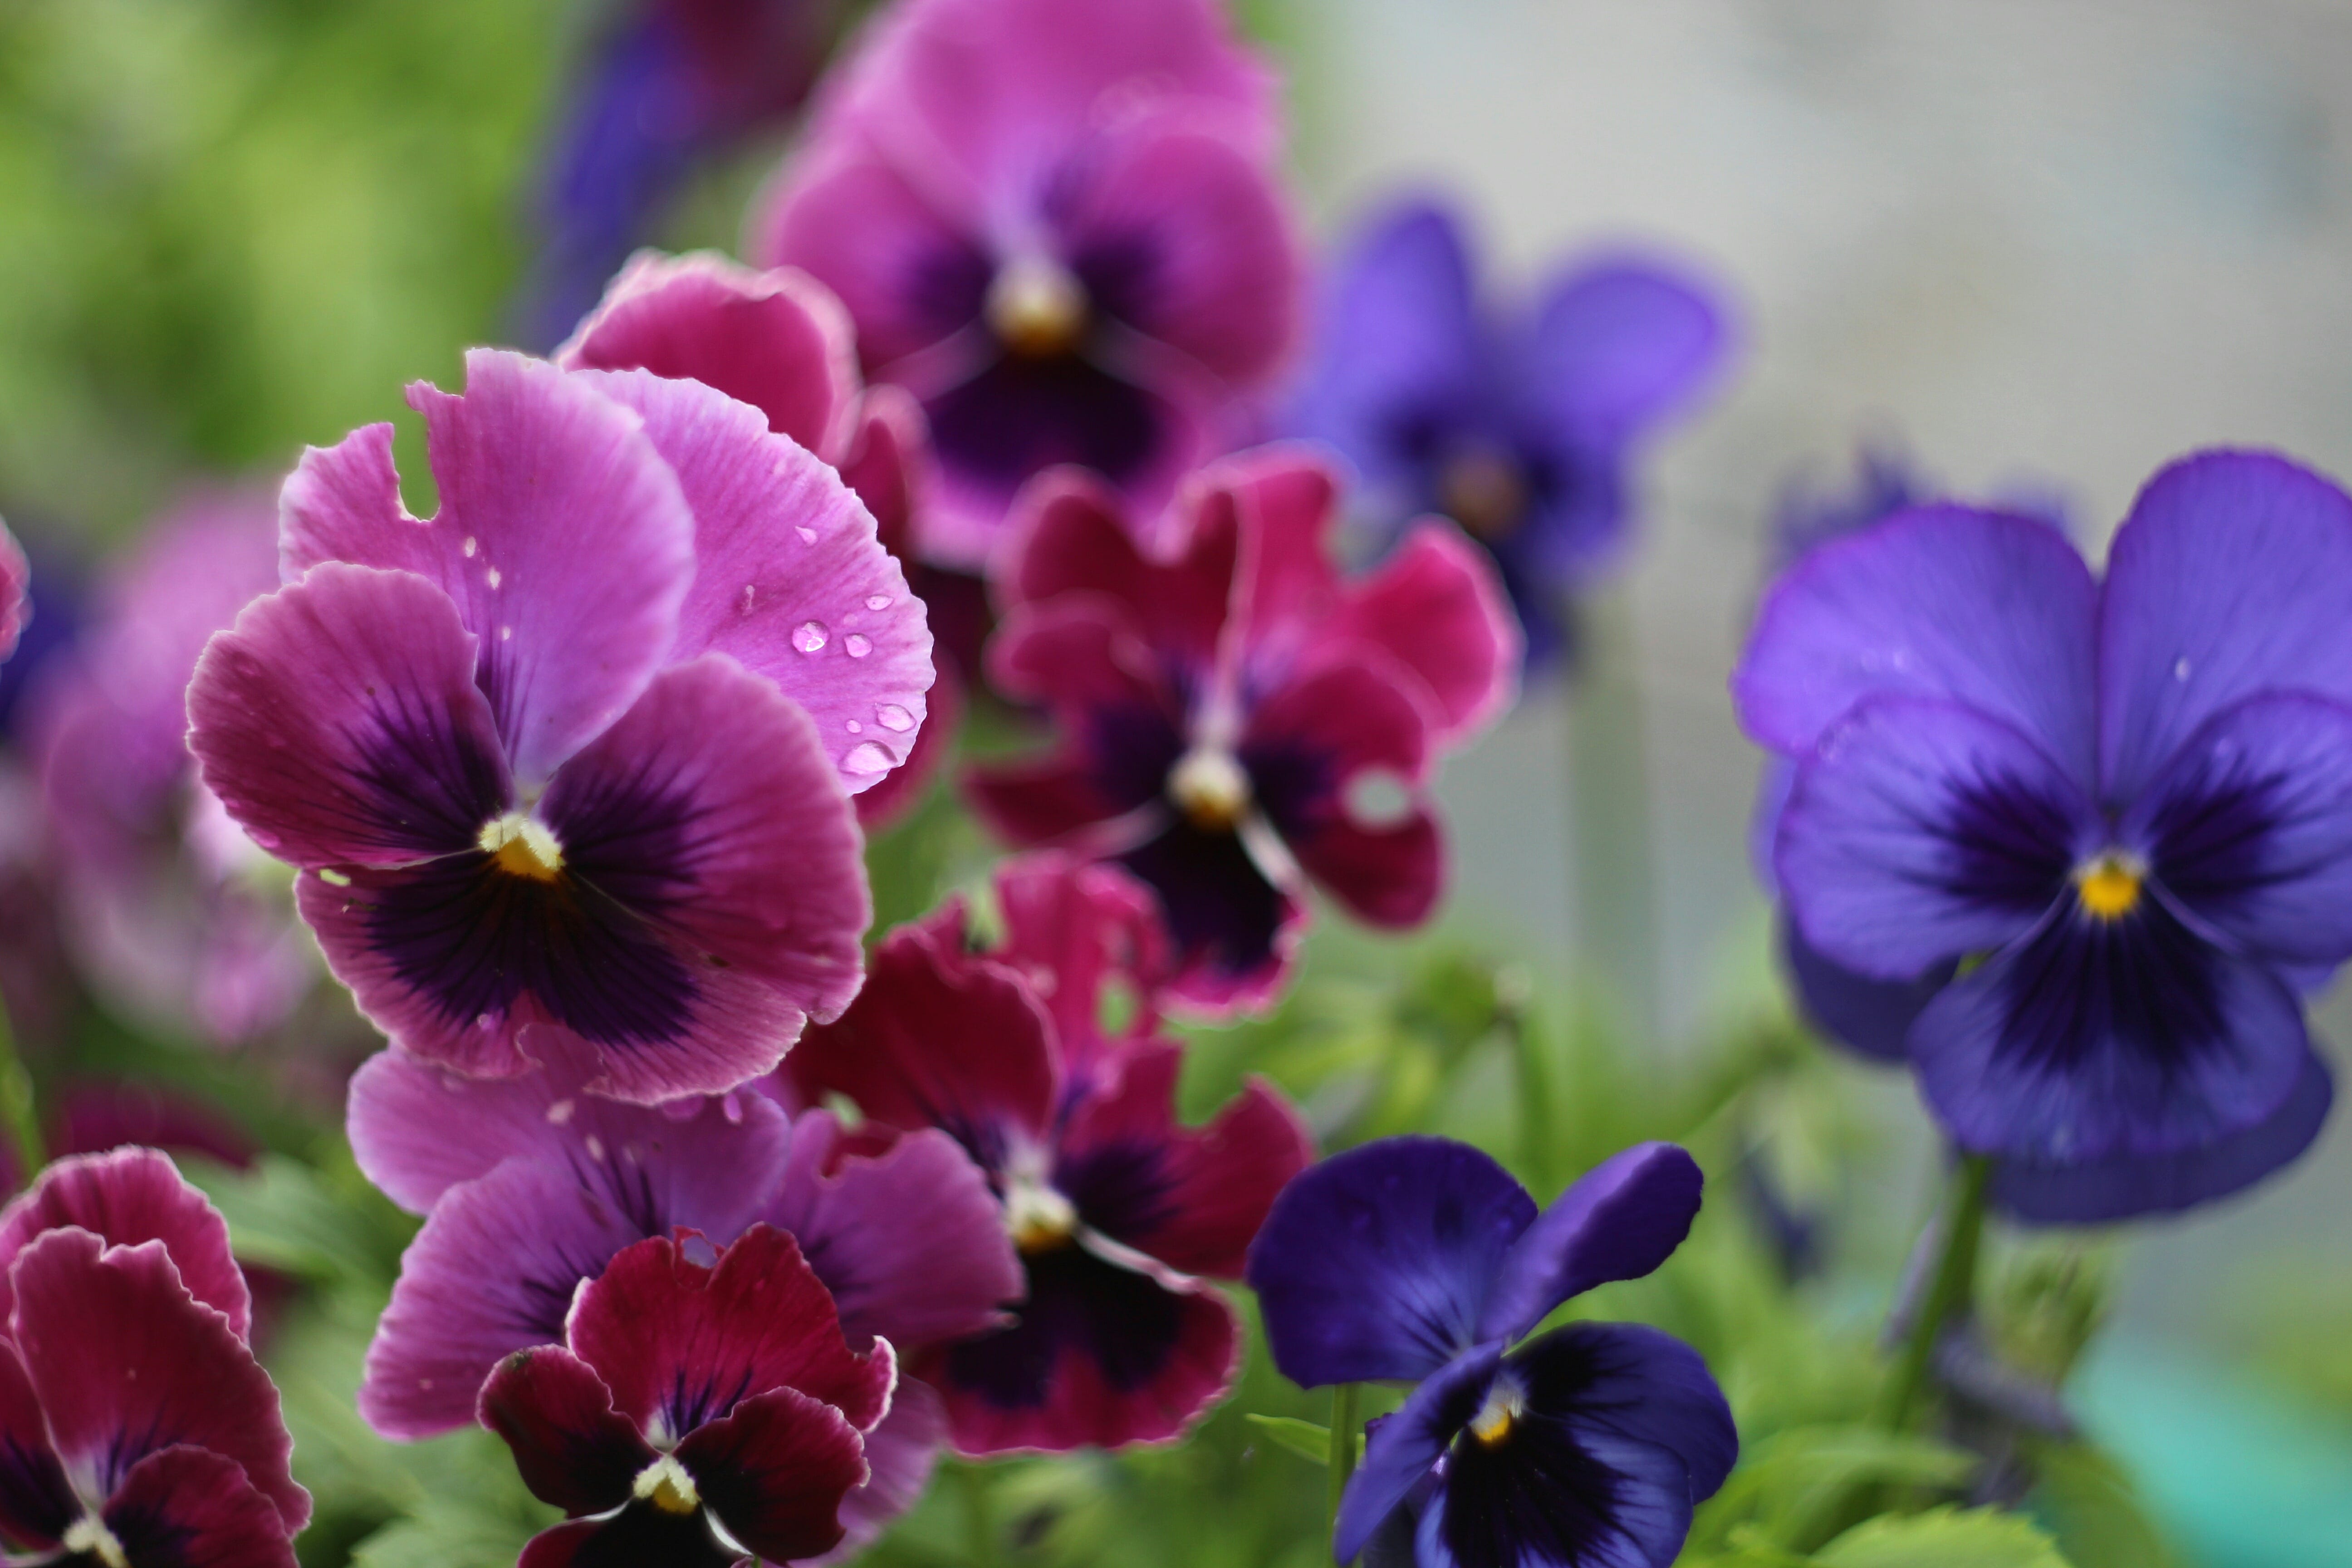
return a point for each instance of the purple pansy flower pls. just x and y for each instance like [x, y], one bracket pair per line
[564, 766]
[137, 1428]
[1521, 426]
[696, 1414]
[1057, 222]
[1228, 704]
[529, 1186]
[2124, 807]
[1117, 1209]
[1419, 1260]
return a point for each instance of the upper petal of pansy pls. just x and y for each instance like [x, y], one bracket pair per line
[911, 1241]
[1080, 934]
[1437, 607]
[1924, 830]
[1620, 344]
[125, 1197]
[2220, 584]
[889, 463]
[774, 1472]
[339, 722]
[187, 1505]
[1279, 503]
[777, 339]
[1989, 609]
[125, 1362]
[939, 1039]
[1620, 1220]
[563, 538]
[790, 579]
[679, 1345]
[1405, 1447]
[1073, 538]
[1377, 1263]
[572, 1447]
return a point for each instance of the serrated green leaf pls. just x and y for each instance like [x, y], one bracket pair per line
[446, 1535]
[2092, 1507]
[1303, 1438]
[1943, 1537]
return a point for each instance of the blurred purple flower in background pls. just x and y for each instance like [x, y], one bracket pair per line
[1520, 424]
[16, 582]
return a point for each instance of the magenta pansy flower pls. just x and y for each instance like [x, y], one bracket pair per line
[136, 1428]
[698, 1413]
[15, 580]
[528, 1188]
[1229, 705]
[564, 766]
[1057, 222]
[1121, 1214]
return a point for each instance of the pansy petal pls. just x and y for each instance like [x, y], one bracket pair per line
[1620, 343]
[1869, 1017]
[790, 579]
[1923, 830]
[679, 1344]
[192, 1508]
[16, 576]
[638, 1534]
[1437, 606]
[36, 1502]
[1404, 1447]
[574, 1450]
[1236, 931]
[119, 1353]
[2128, 1186]
[911, 1241]
[775, 1471]
[1073, 538]
[1620, 1220]
[1080, 659]
[900, 1455]
[125, 1197]
[340, 725]
[1041, 800]
[889, 463]
[1376, 1264]
[1981, 607]
[1079, 931]
[2219, 586]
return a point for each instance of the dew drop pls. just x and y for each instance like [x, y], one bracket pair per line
[559, 1112]
[855, 727]
[867, 758]
[506, 634]
[2181, 669]
[890, 716]
[877, 601]
[750, 592]
[494, 576]
[469, 547]
[808, 535]
[858, 644]
[595, 1147]
[809, 636]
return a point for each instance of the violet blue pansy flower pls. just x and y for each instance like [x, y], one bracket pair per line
[1419, 1260]
[698, 1412]
[2127, 803]
[1520, 424]
[139, 1431]
[1228, 704]
[1121, 1214]
[565, 766]
[1057, 222]
[529, 1187]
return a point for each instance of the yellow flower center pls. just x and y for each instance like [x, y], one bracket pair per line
[2109, 884]
[1040, 1219]
[1505, 1404]
[522, 846]
[1036, 307]
[88, 1536]
[1210, 787]
[666, 1484]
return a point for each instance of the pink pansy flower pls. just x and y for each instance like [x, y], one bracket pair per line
[1121, 1214]
[136, 1429]
[15, 577]
[1057, 222]
[1229, 705]
[564, 766]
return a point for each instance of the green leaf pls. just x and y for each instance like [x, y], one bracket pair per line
[2091, 1505]
[293, 1217]
[1303, 1438]
[1792, 1486]
[1943, 1537]
[446, 1536]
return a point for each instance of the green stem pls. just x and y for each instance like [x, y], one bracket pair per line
[1948, 1293]
[979, 1514]
[1343, 1443]
[1538, 1136]
[17, 1108]
[1615, 914]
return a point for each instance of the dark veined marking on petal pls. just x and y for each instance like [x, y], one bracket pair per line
[1124, 1322]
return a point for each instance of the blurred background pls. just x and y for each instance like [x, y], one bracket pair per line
[2038, 246]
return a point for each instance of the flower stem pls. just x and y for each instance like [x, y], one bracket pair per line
[1615, 915]
[1950, 1291]
[18, 1112]
[1343, 1444]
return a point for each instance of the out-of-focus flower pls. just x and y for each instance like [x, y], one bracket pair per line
[529, 1187]
[563, 766]
[2124, 809]
[1520, 424]
[15, 584]
[1117, 1209]
[169, 909]
[696, 1414]
[140, 1431]
[1235, 719]
[1057, 222]
[1419, 1260]
[780, 341]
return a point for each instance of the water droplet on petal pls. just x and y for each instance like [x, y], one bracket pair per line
[595, 1147]
[809, 636]
[506, 634]
[2180, 670]
[469, 547]
[877, 601]
[494, 576]
[858, 644]
[559, 1112]
[808, 535]
[890, 716]
[750, 592]
[867, 758]
[855, 727]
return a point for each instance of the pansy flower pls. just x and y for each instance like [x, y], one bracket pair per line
[529, 1186]
[1057, 222]
[1120, 1214]
[699, 1411]
[1419, 1260]
[2123, 809]
[1521, 423]
[16, 581]
[1236, 720]
[138, 1430]
[565, 766]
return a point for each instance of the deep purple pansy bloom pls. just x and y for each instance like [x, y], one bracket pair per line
[1520, 424]
[168, 905]
[1120, 1213]
[699, 1411]
[1230, 709]
[136, 1428]
[528, 1188]
[1057, 222]
[1419, 1260]
[2130, 801]
[564, 766]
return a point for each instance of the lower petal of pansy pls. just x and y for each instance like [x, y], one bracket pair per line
[1871, 1016]
[36, 1502]
[1235, 931]
[1402, 1449]
[639, 1535]
[774, 1472]
[125, 1197]
[572, 1449]
[186, 1507]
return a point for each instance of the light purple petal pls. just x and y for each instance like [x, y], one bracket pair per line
[1622, 343]
[1620, 1220]
[900, 1455]
[1871, 1018]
